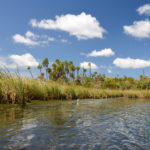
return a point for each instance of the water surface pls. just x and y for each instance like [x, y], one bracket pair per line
[113, 124]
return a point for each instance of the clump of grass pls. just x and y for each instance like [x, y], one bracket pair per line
[132, 94]
[12, 88]
[103, 94]
[83, 93]
[114, 94]
[33, 90]
[56, 92]
[146, 94]
[94, 94]
[69, 93]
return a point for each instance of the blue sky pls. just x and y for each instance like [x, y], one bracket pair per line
[118, 31]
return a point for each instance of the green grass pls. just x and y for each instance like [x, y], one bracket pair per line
[14, 89]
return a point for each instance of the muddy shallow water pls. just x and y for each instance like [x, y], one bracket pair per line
[113, 124]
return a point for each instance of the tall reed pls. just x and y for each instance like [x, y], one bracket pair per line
[15, 89]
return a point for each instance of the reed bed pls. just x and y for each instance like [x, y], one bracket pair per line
[14, 89]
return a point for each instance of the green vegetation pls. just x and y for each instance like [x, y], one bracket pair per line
[64, 81]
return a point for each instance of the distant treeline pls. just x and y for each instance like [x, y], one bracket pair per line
[66, 72]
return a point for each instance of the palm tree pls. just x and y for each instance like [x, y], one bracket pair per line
[60, 69]
[66, 67]
[54, 67]
[73, 68]
[45, 64]
[40, 68]
[29, 68]
[84, 72]
[71, 75]
[57, 61]
[77, 68]
[89, 64]
[95, 73]
[49, 70]
[70, 63]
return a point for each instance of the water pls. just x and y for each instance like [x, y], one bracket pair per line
[113, 124]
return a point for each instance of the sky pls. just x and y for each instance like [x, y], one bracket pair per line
[113, 35]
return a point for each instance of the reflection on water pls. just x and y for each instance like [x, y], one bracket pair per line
[112, 124]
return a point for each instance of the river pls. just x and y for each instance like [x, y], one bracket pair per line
[112, 124]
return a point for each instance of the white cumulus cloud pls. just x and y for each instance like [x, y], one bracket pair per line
[24, 40]
[83, 26]
[144, 10]
[139, 29]
[86, 65]
[24, 60]
[107, 52]
[28, 39]
[131, 63]
[13, 61]
[31, 39]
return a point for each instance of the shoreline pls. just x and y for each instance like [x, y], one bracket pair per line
[19, 91]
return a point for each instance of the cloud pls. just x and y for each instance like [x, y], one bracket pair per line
[139, 29]
[64, 41]
[83, 26]
[30, 34]
[31, 39]
[144, 10]
[107, 52]
[109, 70]
[102, 66]
[24, 60]
[131, 63]
[4, 63]
[0, 49]
[12, 61]
[51, 39]
[24, 40]
[86, 66]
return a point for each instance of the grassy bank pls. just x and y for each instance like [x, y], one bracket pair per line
[21, 90]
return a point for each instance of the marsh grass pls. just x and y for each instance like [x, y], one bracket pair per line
[14, 89]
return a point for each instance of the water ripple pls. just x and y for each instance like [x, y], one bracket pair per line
[113, 124]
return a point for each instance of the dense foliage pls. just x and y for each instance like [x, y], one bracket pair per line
[66, 72]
